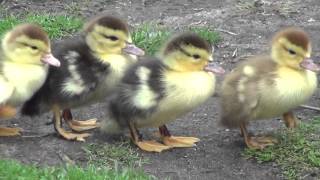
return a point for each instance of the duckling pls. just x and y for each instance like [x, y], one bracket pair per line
[25, 56]
[156, 91]
[271, 85]
[92, 66]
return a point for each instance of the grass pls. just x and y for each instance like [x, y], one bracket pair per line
[150, 36]
[109, 161]
[207, 33]
[12, 170]
[56, 26]
[297, 154]
[116, 161]
[117, 156]
[285, 8]
[247, 5]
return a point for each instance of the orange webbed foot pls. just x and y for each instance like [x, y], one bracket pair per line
[176, 141]
[260, 142]
[76, 125]
[151, 146]
[6, 131]
[85, 125]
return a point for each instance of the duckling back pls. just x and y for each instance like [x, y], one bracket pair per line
[259, 89]
[72, 83]
[240, 90]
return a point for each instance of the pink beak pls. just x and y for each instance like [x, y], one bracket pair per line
[310, 65]
[212, 67]
[132, 49]
[51, 60]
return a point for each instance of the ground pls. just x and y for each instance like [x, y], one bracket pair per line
[246, 28]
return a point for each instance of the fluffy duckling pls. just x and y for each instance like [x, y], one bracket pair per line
[25, 55]
[92, 67]
[269, 86]
[157, 91]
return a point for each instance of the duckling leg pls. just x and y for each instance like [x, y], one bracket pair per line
[290, 120]
[5, 131]
[78, 126]
[65, 134]
[176, 141]
[149, 146]
[256, 142]
[7, 112]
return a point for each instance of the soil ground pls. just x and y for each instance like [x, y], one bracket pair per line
[218, 155]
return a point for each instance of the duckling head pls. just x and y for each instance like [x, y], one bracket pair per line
[188, 52]
[291, 47]
[110, 35]
[28, 44]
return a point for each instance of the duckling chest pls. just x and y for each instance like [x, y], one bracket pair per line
[118, 66]
[26, 80]
[290, 90]
[183, 92]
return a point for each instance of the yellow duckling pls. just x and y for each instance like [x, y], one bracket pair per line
[92, 67]
[269, 86]
[25, 53]
[156, 91]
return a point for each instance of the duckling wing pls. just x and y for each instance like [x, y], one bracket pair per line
[140, 92]
[6, 89]
[71, 84]
[79, 75]
[241, 90]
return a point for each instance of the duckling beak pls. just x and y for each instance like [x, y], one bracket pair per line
[51, 60]
[132, 49]
[214, 68]
[310, 65]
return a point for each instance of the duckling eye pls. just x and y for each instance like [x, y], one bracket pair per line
[292, 52]
[196, 56]
[113, 38]
[34, 47]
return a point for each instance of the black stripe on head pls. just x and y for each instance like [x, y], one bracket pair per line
[32, 31]
[109, 21]
[186, 39]
[296, 36]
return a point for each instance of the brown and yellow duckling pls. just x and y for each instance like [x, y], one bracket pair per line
[25, 55]
[156, 91]
[92, 67]
[269, 86]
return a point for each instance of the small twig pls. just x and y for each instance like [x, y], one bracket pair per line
[196, 23]
[245, 56]
[310, 107]
[66, 159]
[37, 136]
[235, 53]
[305, 176]
[228, 32]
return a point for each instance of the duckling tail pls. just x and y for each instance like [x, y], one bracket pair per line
[110, 126]
[34, 106]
